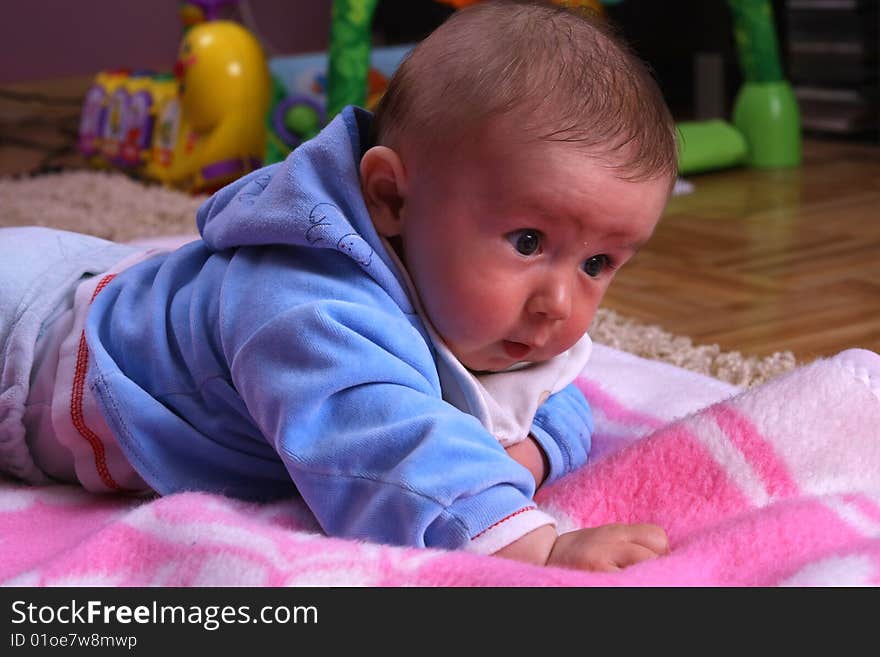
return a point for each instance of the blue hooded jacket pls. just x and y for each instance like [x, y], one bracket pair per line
[281, 355]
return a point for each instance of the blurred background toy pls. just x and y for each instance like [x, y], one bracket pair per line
[766, 110]
[300, 104]
[310, 89]
[195, 129]
[223, 96]
[765, 131]
[94, 115]
[193, 12]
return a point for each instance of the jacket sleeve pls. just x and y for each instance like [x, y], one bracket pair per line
[354, 409]
[563, 427]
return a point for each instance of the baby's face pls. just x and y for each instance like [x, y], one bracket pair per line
[512, 247]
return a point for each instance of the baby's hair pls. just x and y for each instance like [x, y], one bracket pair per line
[564, 73]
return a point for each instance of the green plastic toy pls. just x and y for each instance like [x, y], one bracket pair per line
[766, 128]
[707, 145]
[765, 110]
[349, 54]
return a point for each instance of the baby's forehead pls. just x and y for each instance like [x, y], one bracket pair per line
[514, 148]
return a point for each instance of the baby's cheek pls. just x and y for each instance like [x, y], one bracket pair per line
[590, 304]
[580, 322]
[463, 323]
[573, 336]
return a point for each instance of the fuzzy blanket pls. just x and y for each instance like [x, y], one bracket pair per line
[775, 485]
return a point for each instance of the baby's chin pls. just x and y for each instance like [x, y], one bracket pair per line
[492, 363]
[481, 363]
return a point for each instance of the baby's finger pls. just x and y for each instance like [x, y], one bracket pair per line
[649, 536]
[628, 554]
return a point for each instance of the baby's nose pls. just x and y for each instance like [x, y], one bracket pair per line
[552, 300]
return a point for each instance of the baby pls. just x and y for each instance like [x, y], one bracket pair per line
[387, 324]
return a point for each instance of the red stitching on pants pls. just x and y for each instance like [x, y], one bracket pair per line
[76, 402]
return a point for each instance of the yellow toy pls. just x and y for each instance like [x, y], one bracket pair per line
[195, 130]
[223, 98]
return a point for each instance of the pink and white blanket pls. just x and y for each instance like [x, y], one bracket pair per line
[777, 485]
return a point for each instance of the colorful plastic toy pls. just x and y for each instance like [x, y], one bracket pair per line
[223, 97]
[299, 107]
[708, 145]
[766, 128]
[135, 100]
[194, 12]
[349, 60]
[166, 125]
[116, 127]
[765, 110]
[94, 121]
[195, 130]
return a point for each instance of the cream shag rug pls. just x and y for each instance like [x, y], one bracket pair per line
[115, 207]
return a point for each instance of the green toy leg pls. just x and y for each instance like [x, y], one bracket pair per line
[756, 40]
[707, 145]
[349, 54]
[765, 110]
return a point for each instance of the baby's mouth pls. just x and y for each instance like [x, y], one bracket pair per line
[516, 350]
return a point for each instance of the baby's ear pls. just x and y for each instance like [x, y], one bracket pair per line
[383, 183]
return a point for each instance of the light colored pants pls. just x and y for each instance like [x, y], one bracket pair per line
[44, 276]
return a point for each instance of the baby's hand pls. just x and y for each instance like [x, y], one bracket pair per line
[609, 547]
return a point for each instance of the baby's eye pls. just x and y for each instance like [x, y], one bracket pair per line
[594, 266]
[526, 242]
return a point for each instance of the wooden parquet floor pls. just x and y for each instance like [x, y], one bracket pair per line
[766, 261]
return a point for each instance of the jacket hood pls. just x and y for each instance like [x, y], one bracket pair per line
[312, 198]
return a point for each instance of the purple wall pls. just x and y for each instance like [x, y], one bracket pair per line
[48, 39]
